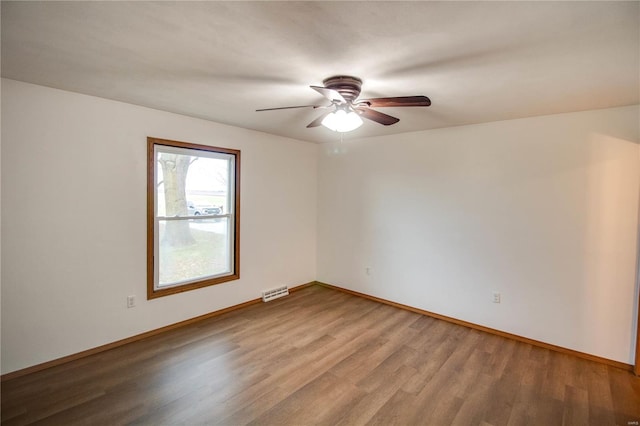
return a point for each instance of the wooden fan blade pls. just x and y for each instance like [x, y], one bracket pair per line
[289, 107]
[378, 117]
[332, 95]
[400, 101]
[318, 121]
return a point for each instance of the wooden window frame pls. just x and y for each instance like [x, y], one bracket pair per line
[153, 292]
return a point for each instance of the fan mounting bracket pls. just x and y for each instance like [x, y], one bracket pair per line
[347, 86]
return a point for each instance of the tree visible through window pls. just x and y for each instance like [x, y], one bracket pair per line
[193, 208]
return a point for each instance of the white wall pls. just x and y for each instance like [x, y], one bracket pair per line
[74, 220]
[543, 210]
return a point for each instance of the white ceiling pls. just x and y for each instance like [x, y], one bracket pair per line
[477, 61]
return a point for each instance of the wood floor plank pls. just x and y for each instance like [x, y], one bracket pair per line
[364, 410]
[601, 402]
[474, 403]
[576, 406]
[436, 353]
[624, 392]
[397, 410]
[301, 408]
[324, 357]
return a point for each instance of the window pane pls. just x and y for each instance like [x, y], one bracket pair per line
[192, 184]
[190, 250]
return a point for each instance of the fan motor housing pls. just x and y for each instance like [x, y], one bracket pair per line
[347, 86]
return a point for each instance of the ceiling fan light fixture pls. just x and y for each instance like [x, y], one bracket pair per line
[342, 121]
[347, 111]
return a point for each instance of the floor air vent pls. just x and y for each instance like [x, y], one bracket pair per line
[274, 293]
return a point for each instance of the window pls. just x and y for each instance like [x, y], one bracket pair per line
[193, 216]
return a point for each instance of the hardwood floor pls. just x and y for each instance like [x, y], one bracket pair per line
[320, 356]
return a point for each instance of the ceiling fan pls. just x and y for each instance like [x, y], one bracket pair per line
[345, 110]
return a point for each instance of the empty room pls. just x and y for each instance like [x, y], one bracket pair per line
[335, 213]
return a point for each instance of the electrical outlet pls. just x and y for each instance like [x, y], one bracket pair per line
[131, 301]
[496, 297]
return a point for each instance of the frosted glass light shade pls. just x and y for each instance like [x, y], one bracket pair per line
[342, 121]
